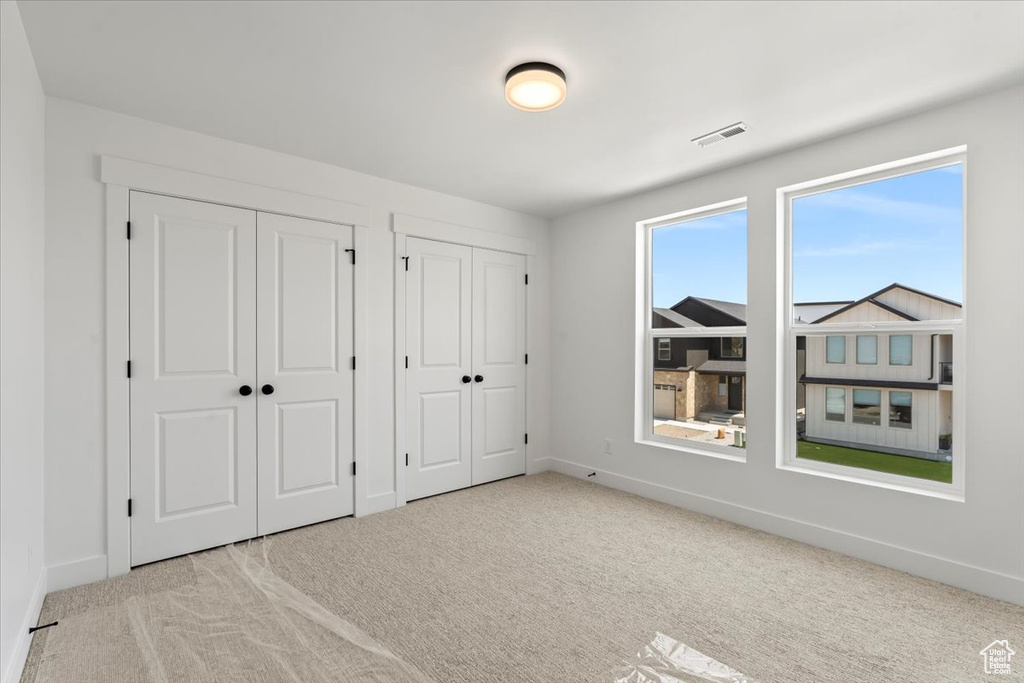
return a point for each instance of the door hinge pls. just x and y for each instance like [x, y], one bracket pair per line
[406, 459]
[129, 369]
[353, 362]
[407, 362]
[353, 469]
[353, 252]
[526, 438]
[526, 358]
[406, 259]
[129, 507]
[526, 279]
[129, 231]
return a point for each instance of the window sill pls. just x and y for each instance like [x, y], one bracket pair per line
[694, 450]
[891, 482]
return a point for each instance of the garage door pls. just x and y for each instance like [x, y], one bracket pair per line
[664, 402]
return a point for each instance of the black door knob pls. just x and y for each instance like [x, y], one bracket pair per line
[267, 389]
[466, 379]
[245, 390]
[479, 378]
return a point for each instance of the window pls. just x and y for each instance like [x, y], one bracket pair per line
[695, 291]
[875, 257]
[867, 406]
[732, 347]
[664, 349]
[901, 349]
[901, 409]
[867, 349]
[835, 351]
[835, 404]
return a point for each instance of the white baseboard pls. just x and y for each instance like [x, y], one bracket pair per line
[14, 667]
[976, 579]
[379, 502]
[76, 573]
[538, 465]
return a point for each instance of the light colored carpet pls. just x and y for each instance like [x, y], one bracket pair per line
[547, 578]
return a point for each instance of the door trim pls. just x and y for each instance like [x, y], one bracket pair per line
[120, 176]
[411, 226]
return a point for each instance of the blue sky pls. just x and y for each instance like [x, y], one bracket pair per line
[846, 244]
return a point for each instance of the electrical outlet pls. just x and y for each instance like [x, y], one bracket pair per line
[608, 446]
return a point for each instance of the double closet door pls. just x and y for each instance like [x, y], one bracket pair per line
[241, 379]
[466, 375]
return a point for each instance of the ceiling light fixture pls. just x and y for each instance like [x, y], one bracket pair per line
[535, 86]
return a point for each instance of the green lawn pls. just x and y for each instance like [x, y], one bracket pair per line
[880, 462]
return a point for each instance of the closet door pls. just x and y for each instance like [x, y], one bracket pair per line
[499, 365]
[305, 392]
[438, 380]
[193, 352]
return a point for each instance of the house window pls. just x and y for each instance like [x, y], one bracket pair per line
[901, 349]
[732, 347]
[875, 257]
[867, 406]
[694, 286]
[901, 408]
[664, 349]
[835, 404]
[867, 349]
[835, 349]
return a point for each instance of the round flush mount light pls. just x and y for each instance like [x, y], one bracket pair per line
[535, 86]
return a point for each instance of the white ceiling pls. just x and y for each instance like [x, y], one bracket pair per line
[412, 91]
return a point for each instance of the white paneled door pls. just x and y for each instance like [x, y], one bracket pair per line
[499, 365]
[466, 375]
[193, 350]
[241, 343]
[438, 380]
[304, 290]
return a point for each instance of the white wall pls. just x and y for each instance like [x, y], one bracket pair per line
[22, 577]
[979, 543]
[75, 460]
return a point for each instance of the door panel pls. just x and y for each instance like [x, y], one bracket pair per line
[438, 410]
[499, 349]
[193, 344]
[304, 283]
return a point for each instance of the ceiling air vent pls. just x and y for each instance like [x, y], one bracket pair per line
[719, 135]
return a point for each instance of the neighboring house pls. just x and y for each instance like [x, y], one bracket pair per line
[705, 377]
[890, 391]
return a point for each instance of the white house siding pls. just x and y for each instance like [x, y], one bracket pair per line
[920, 307]
[920, 370]
[866, 312]
[922, 437]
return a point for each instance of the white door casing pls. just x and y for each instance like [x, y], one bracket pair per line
[305, 351]
[193, 345]
[438, 400]
[499, 358]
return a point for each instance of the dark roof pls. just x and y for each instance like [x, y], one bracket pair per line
[915, 291]
[856, 382]
[738, 311]
[723, 367]
[677, 318]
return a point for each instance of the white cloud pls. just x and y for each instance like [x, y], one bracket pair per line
[852, 249]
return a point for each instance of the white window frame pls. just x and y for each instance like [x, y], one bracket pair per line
[646, 333]
[888, 351]
[669, 349]
[835, 336]
[856, 346]
[846, 411]
[881, 404]
[910, 428]
[721, 349]
[786, 458]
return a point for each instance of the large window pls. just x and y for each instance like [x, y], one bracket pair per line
[901, 349]
[695, 290]
[835, 351]
[875, 261]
